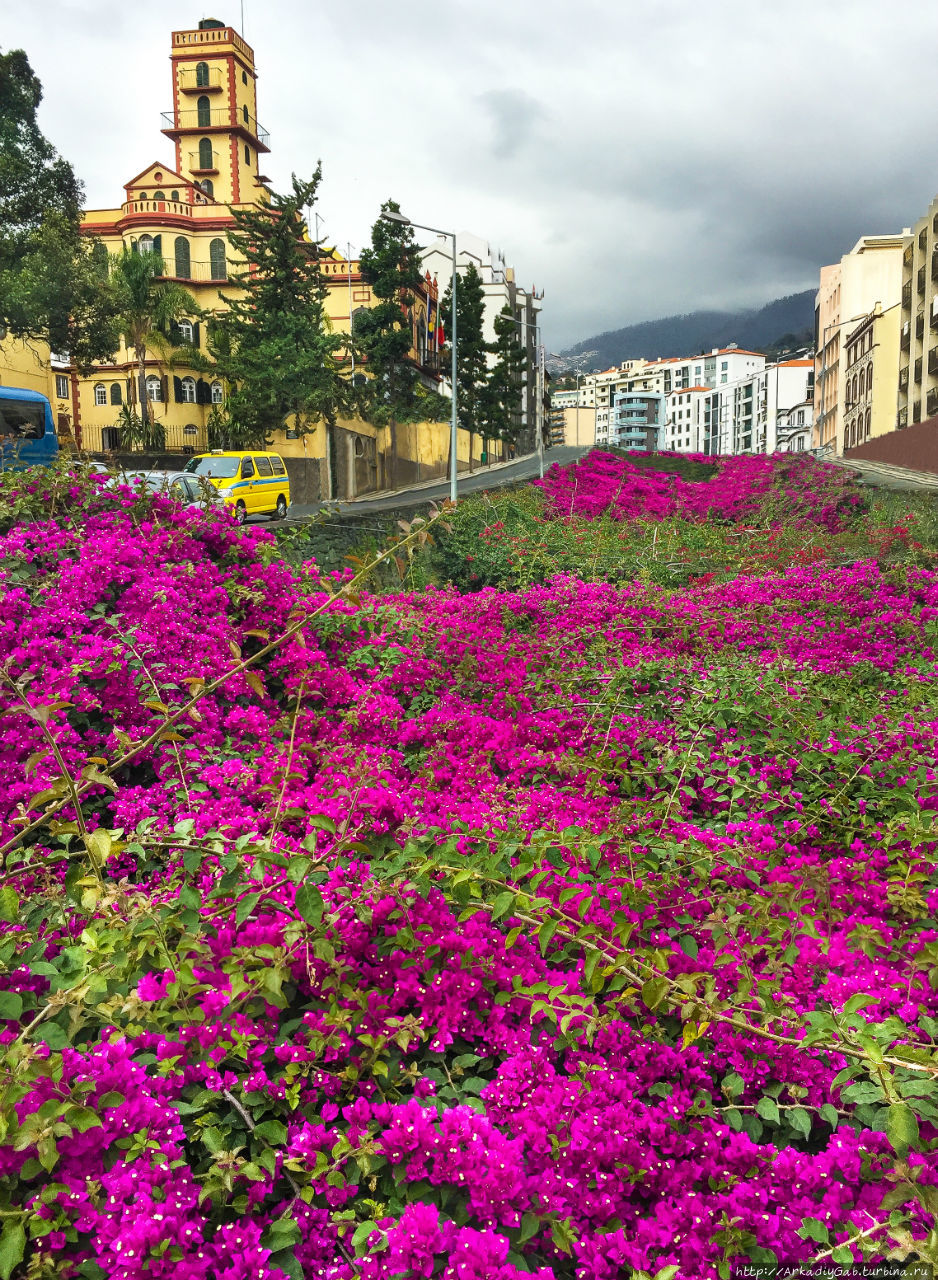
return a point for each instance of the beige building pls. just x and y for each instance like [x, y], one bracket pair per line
[872, 376]
[849, 291]
[918, 323]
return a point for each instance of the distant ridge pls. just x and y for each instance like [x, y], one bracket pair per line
[791, 317]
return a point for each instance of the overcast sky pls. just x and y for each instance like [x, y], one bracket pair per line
[632, 158]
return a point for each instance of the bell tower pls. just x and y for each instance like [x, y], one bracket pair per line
[213, 123]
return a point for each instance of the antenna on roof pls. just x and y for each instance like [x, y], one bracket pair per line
[242, 17]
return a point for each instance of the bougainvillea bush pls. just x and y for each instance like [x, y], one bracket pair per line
[581, 931]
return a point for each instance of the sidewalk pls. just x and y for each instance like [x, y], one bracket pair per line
[884, 475]
[376, 494]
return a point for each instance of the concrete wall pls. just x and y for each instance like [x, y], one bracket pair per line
[915, 447]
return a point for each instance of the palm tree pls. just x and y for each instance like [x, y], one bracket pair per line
[147, 306]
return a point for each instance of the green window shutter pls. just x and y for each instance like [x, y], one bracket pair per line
[158, 246]
[204, 112]
[205, 153]
[216, 252]
[196, 339]
[181, 251]
[177, 390]
[115, 393]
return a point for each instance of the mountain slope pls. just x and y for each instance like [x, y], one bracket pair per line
[701, 331]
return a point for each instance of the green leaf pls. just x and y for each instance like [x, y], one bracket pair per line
[814, 1229]
[768, 1110]
[9, 904]
[829, 1113]
[530, 1224]
[901, 1128]
[51, 1033]
[733, 1084]
[734, 1118]
[842, 1254]
[272, 1131]
[12, 1247]
[546, 932]
[502, 905]
[362, 1232]
[654, 991]
[799, 1119]
[689, 946]
[245, 906]
[309, 904]
[11, 1005]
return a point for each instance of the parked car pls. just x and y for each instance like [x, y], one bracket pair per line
[190, 490]
[251, 482]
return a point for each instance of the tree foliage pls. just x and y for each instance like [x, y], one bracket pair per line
[500, 399]
[275, 344]
[471, 349]
[51, 281]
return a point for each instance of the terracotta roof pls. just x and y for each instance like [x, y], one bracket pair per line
[678, 391]
[796, 364]
[738, 351]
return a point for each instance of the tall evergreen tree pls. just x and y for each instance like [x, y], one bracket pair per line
[501, 396]
[391, 267]
[52, 284]
[471, 350]
[274, 344]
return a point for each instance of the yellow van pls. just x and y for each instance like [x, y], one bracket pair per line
[250, 481]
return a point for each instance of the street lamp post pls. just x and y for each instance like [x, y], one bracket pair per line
[454, 460]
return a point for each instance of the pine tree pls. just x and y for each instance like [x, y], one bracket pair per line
[471, 350]
[274, 344]
[501, 398]
[384, 333]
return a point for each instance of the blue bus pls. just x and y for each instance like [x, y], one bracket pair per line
[27, 436]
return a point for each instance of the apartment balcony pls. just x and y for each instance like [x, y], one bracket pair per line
[920, 281]
[933, 361]
[917, 375]
[902, 419]
[905, 341]
[904, 378]
[200, 162]
[931, 403]
[907, 256]
[920, 324]
[917, 411]
[933, 318]
[215, 120]
[191, 82]
[907, 294]
[934, 265]
[922, 239]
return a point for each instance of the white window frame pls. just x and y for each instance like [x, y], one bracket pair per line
[218, 393]
[186, 330]
[61, 386]
[100, 394]
[145, 244]
[188, 390]
[154, 389]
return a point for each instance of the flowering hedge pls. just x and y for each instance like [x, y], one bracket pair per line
[585, 931]
[794, 489]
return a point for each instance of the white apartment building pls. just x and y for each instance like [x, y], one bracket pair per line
[744, 416]
[683, 431]
[795, 426]
[500, 288]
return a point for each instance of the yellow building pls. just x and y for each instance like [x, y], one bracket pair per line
[872, 376]
[32, 366]
[183, 211]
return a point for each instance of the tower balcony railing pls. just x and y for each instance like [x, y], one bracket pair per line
[157, 207]
[191, 82]
[189, 120]
[200, 162]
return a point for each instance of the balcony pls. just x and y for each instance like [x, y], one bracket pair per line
[931, 403]
[934, 265]
[197, 162]
[151, 207]
[902, 419]
[933, 361]
[917, 374]
[904, 378]
[907, 294]
[907, 255]
[191, 120]
[917, 411]
[922, 239]
[920, 324]
[905, 340]
[920, 280]
[189, 81]
[206, 272]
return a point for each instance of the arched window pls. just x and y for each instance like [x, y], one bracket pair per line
[181, 248]
[159, 195]
[244, 112]
[204, 112]
[174, 195]
[206, 159]
[247, 155]
[208, 188]
[869, 380]
[190, 429]
[201, 75]
[100, 393]
[867, 424]
[216, 253]
[218, 393]
[188, 390]
[154, 388]
[145, 244]
[115, 393]
[185, 330]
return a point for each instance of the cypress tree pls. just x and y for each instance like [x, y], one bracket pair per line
[471, 350]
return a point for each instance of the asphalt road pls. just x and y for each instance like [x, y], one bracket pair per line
[525, 469]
